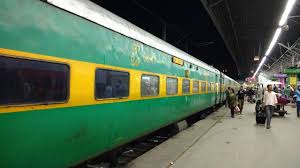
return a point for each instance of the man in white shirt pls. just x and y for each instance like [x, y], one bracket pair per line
[269, 101]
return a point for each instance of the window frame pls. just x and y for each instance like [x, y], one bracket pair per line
[110, 98]
[44, 61]
[203, 91]
[208, 87]
[167, 86]
[182, 86]
[142, 83]
[198, 87]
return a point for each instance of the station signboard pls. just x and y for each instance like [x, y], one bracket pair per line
[292, 70]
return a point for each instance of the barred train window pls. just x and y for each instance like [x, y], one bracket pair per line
[203, 86]
[150, 85]
[172, 86]
[185, 86]
[111, 84]
[32, 82]
[195, 86]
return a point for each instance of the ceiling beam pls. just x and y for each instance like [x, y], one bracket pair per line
[222, 33]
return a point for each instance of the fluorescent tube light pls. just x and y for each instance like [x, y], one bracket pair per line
[287, 11]
[260, 65]
[263, 60]
[274, 40]
[284, 17]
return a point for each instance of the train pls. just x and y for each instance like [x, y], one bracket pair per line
[79, 81]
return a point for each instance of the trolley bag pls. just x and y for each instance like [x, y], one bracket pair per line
[260, 117]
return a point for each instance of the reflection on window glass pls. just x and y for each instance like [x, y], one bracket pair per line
[203, 86]
[185, 86]
[150, 85]
[209, 87]
[111, 84]
[172, 86]
[212, 87]
[195, 86]
[29, 82]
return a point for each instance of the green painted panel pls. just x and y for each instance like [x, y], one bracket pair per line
[62, 137]
[65, 136]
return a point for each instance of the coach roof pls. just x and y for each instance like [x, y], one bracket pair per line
[101, 16]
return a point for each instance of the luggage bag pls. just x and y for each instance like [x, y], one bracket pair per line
[260, 113]
[260, 117]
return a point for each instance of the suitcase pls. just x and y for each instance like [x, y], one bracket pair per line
[260, 113]
[260, 117]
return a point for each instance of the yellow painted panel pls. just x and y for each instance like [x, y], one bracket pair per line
[82, 83]
[293, 80]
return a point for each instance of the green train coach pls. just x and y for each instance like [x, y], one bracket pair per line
[78, 81]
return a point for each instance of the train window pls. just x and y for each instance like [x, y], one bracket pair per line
[185, 86]
[32, 82]
[111, 84]
[172, 86]
[150, 85]
[212, 87]
[216, 87]
[209, 87]
[195, 86]
[203, 86]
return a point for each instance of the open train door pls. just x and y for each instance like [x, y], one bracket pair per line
[220, 88]
[216, 89]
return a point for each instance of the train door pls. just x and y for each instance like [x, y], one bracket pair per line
[216, 89]
[220, 88]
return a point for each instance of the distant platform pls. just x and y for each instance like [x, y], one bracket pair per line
[220, 141]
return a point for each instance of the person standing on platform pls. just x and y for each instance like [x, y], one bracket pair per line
[241, 98]
[297, 93]
[282, 91]
[231, 101]
[227, 95]
[250, 95]
[269, 101]
[287, 91]
[275, 89]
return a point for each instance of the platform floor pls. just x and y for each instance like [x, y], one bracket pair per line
[221, 141]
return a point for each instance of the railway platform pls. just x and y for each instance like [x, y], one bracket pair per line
[221, 141]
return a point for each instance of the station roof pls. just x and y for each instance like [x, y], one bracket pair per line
[223, 33]
[248, 27]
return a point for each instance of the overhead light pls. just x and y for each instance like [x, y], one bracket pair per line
[263, 60]
[259, 66]
[274, 40]
[284, 17]
[287, 11]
